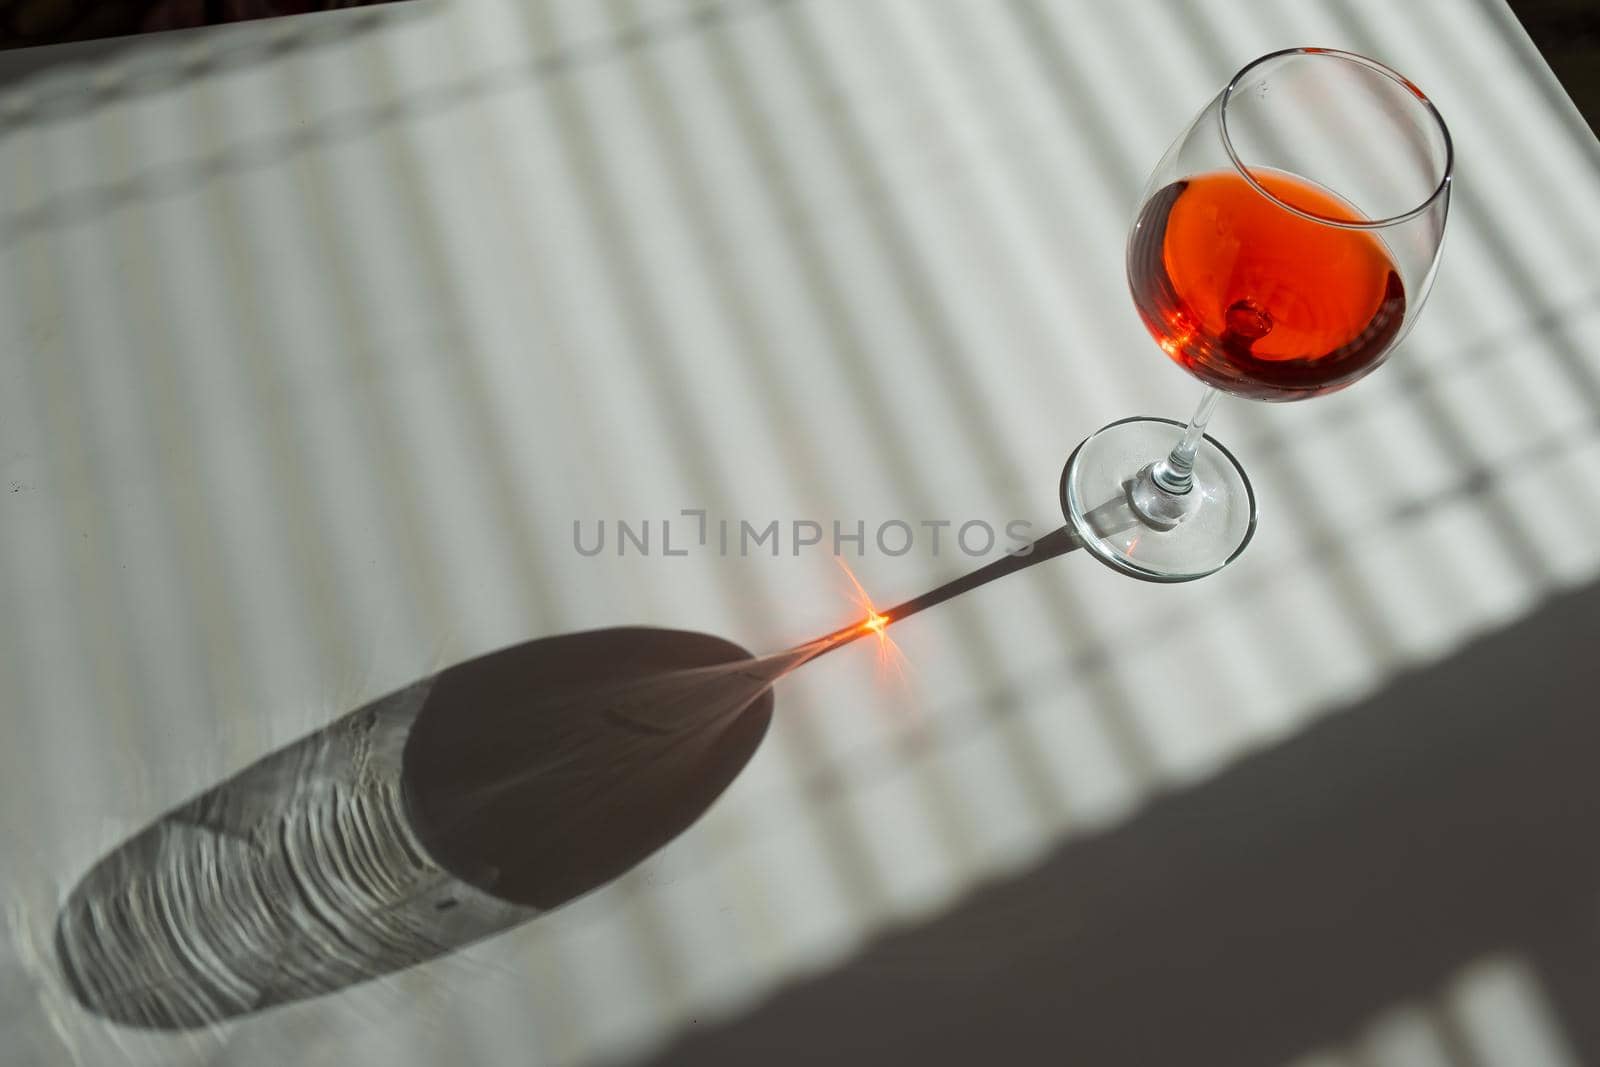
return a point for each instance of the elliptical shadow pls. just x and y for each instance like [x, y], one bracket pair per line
[441, 814]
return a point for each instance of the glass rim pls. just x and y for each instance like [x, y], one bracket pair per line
[1373, 65]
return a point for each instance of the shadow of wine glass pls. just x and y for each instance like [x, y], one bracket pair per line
[441, 814]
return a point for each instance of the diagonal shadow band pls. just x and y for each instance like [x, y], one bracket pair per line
[443, 813]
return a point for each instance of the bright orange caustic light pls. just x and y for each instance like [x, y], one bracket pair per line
[876, 622]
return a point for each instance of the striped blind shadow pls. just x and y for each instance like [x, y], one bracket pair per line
[913, 287]
[447, 98]
[842, 320]
[451, 810]
[641, 312]
[166, 68]
[1273, 908]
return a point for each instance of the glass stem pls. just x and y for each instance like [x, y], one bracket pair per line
[1175, 474]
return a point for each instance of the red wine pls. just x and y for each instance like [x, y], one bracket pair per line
[1255, 299]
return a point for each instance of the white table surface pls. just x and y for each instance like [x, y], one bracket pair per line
[317, 336]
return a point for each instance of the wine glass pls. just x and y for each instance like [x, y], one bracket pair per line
[1284, 246]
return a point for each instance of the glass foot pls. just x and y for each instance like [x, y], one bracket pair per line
[1132, 524]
